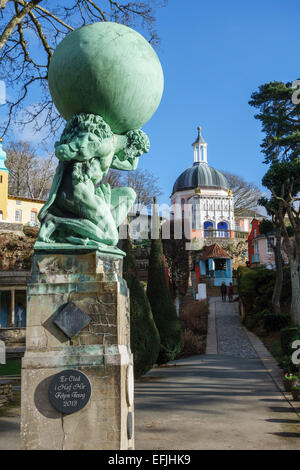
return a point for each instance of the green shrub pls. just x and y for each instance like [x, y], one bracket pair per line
[162, 306]
[256, 286]
[12, 367]
[275, 322]
[287, 336]
[253, 320]
[144, 336]
[288, 366]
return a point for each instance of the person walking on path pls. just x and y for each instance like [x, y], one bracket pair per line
[230, 292]
[223, 291]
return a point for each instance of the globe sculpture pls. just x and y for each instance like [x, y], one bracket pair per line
[106, 81]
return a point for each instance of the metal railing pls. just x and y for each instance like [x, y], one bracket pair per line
[214, 233]
[224, 274]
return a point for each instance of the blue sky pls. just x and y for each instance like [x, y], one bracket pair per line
[214, 55]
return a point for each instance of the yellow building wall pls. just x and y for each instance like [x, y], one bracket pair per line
[3, 193]
[23, 205]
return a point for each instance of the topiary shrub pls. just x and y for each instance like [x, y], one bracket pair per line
[287, 336]
[162, 306]
[255, 287]
[275, 321]
[144, 336]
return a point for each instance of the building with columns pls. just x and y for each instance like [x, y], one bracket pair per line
[205, 198]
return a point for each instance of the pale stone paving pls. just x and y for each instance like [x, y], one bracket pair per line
[231, 337]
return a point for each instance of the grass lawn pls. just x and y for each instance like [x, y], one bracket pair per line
[12, 367]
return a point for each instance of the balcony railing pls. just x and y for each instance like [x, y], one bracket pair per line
[214, 233]
[222, 274]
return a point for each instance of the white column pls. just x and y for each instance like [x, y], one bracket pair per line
[205, 153]
[195, 154]
[12, 308]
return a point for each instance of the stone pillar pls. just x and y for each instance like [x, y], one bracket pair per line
[101, 350]
[11, 321]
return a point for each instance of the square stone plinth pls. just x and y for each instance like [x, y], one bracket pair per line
[101, 350]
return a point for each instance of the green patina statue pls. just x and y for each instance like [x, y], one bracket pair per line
[107, 81]
[80, 210]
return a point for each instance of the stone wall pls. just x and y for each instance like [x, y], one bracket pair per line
[13, 336]
[6, 392]
[6, 226]
[16, 252]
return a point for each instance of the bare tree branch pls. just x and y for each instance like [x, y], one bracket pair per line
[15, 20]
[25, 58]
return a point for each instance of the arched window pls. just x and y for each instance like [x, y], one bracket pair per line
[208, 227]
[223, 229]
[1, 215]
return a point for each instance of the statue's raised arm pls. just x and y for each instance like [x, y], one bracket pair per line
[134, 144]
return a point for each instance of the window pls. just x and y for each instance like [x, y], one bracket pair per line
[270, 243]
[208, 227]
[33, 217]
[1, 178]
[18, 203]
[1, 215]
[18, 215]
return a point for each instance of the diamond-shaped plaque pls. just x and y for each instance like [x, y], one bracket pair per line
[71, 320]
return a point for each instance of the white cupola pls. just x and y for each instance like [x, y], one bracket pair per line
[200, 148]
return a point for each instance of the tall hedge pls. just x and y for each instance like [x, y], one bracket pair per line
[144, 336]
[256, 287]
[162, 306]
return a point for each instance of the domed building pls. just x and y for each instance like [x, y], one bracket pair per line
[204, 196]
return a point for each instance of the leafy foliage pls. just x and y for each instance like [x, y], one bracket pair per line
[163, 309]
[275, 321]
[280, 120]
[287, 336]
[144, 336]
[256, 285]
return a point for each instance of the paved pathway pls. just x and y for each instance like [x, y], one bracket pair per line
[228, 398]
[225, 399]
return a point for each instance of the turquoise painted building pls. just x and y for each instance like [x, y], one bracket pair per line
[215, 262]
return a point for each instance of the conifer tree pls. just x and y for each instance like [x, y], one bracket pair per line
[162, 306]
[144, 336]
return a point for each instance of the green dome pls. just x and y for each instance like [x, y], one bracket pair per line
[106, 69]
[198, 176]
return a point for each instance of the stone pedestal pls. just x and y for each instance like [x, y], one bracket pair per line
[101, 350]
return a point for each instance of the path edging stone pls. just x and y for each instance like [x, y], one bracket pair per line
[271, 367]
